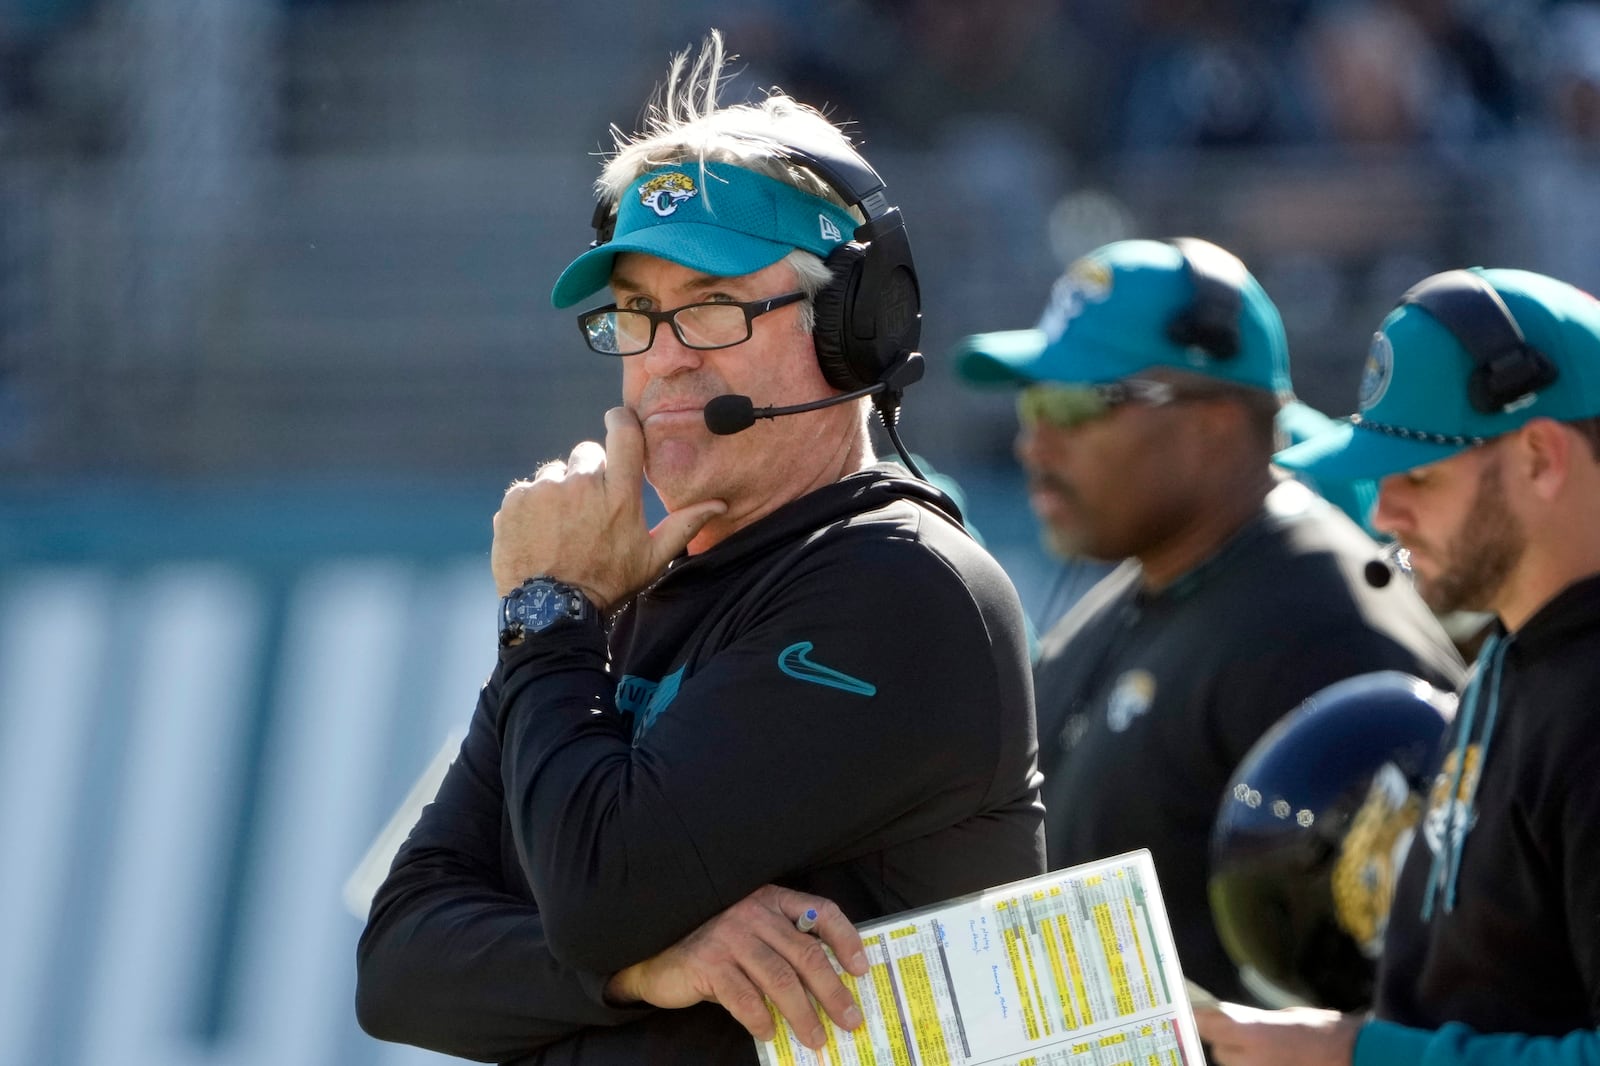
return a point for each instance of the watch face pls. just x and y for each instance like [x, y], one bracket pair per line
[538, 605]
[546, 604]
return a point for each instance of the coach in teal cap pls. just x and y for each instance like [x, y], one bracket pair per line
[1480, 411]
[1138, 305]
[1148, 400]
[1425, 396]
[716, 218]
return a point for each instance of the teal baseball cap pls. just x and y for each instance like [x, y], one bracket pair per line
[1420, 383]
[716, 218]
[1114, 314]
[1296, 422]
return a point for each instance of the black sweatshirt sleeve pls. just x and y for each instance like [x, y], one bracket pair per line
[453, 958]
[856, 707]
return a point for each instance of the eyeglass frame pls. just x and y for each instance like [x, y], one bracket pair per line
[753, 309]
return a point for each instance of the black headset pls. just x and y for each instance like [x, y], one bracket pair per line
[1505, 367]
[869, 316]
[1210, 321]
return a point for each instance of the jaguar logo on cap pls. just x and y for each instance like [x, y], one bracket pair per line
[1085, 281]
[1377, 372]
[664, 192]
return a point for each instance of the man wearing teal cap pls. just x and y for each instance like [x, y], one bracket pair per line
[1480, 413]
[1147, 398]
[806, 689]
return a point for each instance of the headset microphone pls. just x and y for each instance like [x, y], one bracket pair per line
[733, 413]
[1380, 571]
[726, 415]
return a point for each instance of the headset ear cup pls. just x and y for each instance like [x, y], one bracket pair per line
[1498, 382]
[1180, 330]
[1217, 340]
[831, 332]
[1505, 367]
[1210, 322]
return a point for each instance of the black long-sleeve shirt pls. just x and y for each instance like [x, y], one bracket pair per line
[836, 699]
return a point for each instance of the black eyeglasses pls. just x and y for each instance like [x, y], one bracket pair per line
[612, 330]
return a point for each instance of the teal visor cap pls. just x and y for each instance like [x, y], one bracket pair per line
[1415, 406]
[717, 219]
[1107, 319]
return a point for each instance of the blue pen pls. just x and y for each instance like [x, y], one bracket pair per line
[807, 921]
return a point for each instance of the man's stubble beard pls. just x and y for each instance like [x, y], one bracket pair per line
[1481, 554]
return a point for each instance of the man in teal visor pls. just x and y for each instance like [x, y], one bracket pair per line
[803, 694]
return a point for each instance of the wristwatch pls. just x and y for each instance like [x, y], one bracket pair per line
[539, 603]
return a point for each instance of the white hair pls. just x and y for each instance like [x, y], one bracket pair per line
[683, 122]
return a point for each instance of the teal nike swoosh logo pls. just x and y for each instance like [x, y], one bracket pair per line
[794, 662]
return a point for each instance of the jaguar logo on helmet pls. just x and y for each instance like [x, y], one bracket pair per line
[664, 192]
[1370, 857]
[1377, 372]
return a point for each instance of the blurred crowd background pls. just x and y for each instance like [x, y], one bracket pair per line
[275, 333]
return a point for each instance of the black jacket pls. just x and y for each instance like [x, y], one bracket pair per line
[835, 698]
[1510, 940]
[1147, 702]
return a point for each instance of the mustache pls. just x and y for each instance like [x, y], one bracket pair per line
[1040, 480]
[671, 393]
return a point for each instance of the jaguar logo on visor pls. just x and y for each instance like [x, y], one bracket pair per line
[664, 192]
